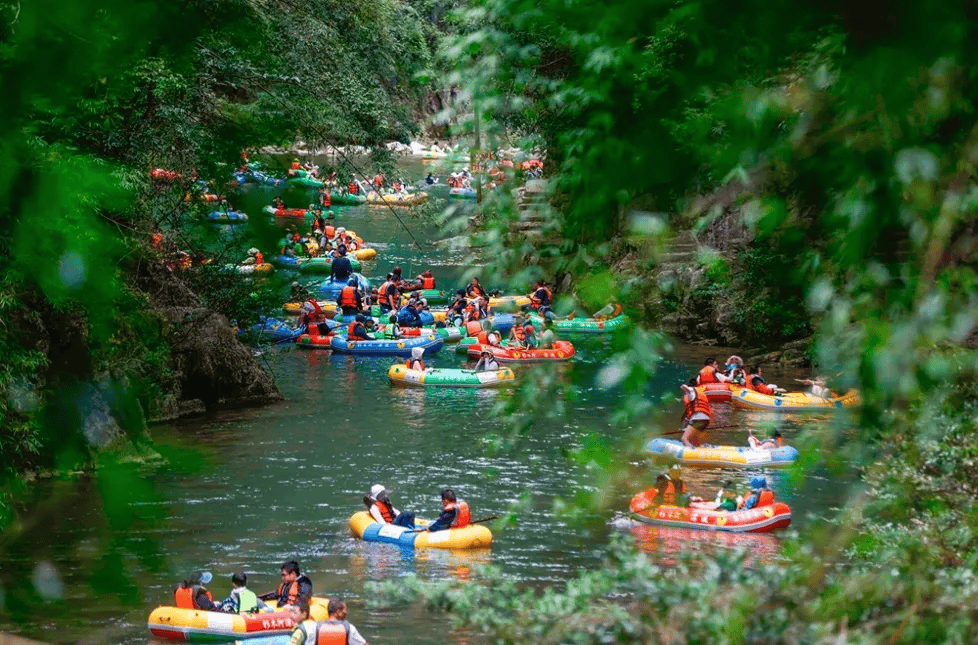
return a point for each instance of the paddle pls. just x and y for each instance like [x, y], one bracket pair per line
[709, 428]
[478, 521]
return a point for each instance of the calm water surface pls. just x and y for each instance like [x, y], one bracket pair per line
[248, 489]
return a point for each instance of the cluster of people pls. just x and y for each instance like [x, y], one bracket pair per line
[670, 489]
[293, 595]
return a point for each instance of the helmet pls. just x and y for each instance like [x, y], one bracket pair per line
[377, 490]
[295, 284]
[352, 282]
[417, 352]
[252, 251]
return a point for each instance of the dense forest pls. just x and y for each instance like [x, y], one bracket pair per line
[822, 156]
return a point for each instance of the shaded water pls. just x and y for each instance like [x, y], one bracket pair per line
[248, 489]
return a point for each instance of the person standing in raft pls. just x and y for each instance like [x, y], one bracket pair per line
[338, 630]
[350, 300]
[242, 599]
[191, 594]
[454, 515]
[341, 267]
[382, 510]
[295, 586]
[711, 373]
[698, 413]
[305, 627]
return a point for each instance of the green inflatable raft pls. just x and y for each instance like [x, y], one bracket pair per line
[325, 265]
[346, 199]
[583, 325]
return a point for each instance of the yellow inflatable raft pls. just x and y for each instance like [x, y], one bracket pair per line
[473, 536]
[199, 626]
[792, 401]
[397, 200]
[364, 254]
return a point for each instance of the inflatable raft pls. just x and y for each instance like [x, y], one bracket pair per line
[288, 262]
[703, 516]
[792, 401]
[330, 289]
[286, 212]
[433, 296]
[561, 351]
[270, 329]
[363, 254]
[401, 375]
[345, 199]
[198, 626]
[324, 265]
[473, 536]
[304, 182]
[397, 200]
[462, 193]
[718, 392]
[507, 303]
[229, 217]
[448, 334]
[399, 347]
[583, 325]
[248, 269]
[722, 456]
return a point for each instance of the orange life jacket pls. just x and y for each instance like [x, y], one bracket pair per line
[185, 597]
[385, 511]
[518, 332]
[763, 388]
[295, 165]
[766, 498]
[415, 364]
[708, 375]
[701, 404]
[378, 180]
[330, 231]
[475, 312]
[383, 297]
[352, 188]
[351, 334]
[536, 302]
[290, 594]
[333, 632]
[473, 328]
[482, 337]
[463, 517]
[348, 297]
[427, 282]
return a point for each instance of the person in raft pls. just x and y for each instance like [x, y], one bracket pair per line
[357, 330]
[547, 337]
[351, 299]
[382, 510]
[727, 498]
[711, 373]
[696, 417]
[486, 362]
[670, 488]
[295, 586]
[337, 630]
[242, 599]
[415, 362]
[306, 628]
[454, 515]
[776, 441]
[755, 381]
[760, 494]
[191, 594]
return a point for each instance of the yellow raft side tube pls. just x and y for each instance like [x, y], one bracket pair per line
[473, 536]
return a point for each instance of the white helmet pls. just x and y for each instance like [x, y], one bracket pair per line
[252, 251]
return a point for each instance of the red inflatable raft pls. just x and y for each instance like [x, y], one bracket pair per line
[719, 392]
[562, 351]
[703, 515]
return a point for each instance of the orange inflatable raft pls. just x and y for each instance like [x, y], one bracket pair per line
[703, 515]
[561, 351]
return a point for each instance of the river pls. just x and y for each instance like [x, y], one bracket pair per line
[247, 489]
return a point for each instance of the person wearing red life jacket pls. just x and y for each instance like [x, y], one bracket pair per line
[191, 594]
[353, 189]
[455, 513]
[760, 494]
[337, 630]
[711, 373]
[357, 329]
[697, 414]
[351, 299]
[295, 586]
[427, 280]
[379, 181]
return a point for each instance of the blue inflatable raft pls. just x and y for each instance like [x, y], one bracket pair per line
[722, 456]
[331, 289]
[400, 347]
[274, 330]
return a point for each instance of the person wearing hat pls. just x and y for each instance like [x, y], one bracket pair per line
[357, 329]
[415, 362]
[191, 594]
[487, 362]
[382, 510]
[776, 441]
[760, 494]
[341, 268]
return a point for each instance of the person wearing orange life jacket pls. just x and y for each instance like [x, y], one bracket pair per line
[379, 181]
[711, 373]
[383, 511]
[295, 586]
[670, 488]
[389, 296]
[191, 594]
[357, 329]
[475, 290]
[350, 300]
[697, 414]
[760, 494]
[541, 298]
[755, 382]
[427, 280]
[516, 335]
[455, 513]
[338, 630]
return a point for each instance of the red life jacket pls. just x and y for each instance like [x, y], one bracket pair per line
[348, 297]
[259, 258]
[295, 165]
[378, 180]
[763, 388]
[472, 328]
[351, 333]
[333, 632]
[463, 517]
[766, 498]
[386, 511]
[330, 231]
[701, 404]
[708, 375]
[427, 282]
[650, 496]
[536, 302]
[352, 188]
[518, 332]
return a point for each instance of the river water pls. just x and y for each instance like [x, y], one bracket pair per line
[247, 489]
